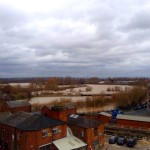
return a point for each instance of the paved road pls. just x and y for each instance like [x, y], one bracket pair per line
[116, 147]
[139, 146]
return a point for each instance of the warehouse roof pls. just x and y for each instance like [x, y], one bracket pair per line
[82, 121]
[134, 118]
[18, 103]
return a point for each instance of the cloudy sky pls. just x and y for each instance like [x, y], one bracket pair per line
[80, 38]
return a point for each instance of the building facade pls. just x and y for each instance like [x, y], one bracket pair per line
[24, 131]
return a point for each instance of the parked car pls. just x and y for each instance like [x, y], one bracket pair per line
[131, 142]
[113, 139]
[121, 140]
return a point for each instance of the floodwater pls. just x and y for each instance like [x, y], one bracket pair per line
[44, 100]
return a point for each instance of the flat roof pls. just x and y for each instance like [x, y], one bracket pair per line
[105, 114]
[134, 118]
[18, 103]
[140, 112]
[69, 143]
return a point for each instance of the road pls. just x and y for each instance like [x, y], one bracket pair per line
[141, 145]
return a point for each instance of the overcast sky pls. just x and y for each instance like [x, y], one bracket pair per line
[80, 38]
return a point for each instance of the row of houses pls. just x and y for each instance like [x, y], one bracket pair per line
[54, 128]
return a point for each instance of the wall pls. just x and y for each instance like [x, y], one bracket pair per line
[104, 119]
[89, 136]
[133, 123]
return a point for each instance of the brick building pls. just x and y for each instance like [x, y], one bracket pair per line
[24, 131]
[88, 130]
[105, 117]
[15, 106]
[59, 112]
[133, 121]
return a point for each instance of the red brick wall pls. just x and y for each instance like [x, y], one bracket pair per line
[30, 140]
[133, 123]
[62, 132]
[3, 106]
[104, 119]
[71, 111]
[60, 115]
[33, 139]
[24, 108]
[6, 135]
[89, 136]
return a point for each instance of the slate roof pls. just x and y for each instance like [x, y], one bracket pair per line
[31, 122]
[38, 122]
[18, 103]
[82, 121]
[4, 115]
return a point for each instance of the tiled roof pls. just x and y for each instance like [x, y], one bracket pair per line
[30, 122]
[18, 103]
[82, 121]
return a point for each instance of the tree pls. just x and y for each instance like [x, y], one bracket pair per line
[52, 83]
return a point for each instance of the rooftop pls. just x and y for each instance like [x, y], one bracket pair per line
[140, 112]
[4, 115]
[69, 143]
[30, 122]
[105, 114]
[82, 121]
[134, 118]
[18, 103]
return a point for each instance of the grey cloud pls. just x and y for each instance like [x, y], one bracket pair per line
[81, 38]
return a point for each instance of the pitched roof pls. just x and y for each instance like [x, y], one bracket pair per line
[82, 121]
[38, 122]
[18, 103]
[4, 115]
[30, 122]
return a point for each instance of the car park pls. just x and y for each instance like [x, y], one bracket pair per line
[131, 142]
[121, 140]
[113, 139]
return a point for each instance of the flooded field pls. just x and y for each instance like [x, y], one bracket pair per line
[44, 100]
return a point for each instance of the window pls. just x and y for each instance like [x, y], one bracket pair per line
[55, 130]
[82, 134]
[44, 133]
